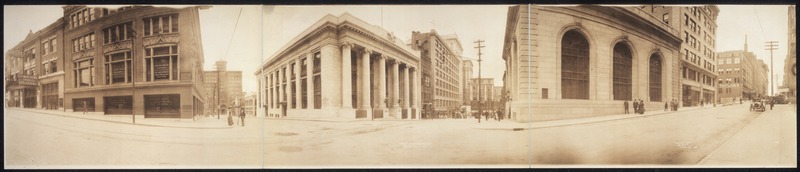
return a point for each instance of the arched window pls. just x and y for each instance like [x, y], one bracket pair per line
[622, 72]
[655, 78]
[574, 66]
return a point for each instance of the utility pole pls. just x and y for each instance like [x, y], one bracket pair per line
[479, 77]
[133, 76]
[771, 45]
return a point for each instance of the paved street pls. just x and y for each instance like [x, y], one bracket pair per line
[425, 143]
[680, 138]
[33, 140]
[727, 136]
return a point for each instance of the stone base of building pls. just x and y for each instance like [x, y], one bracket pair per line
[546, 110]
[378, 113]
[395, 113]
[150, 101]
[363, 113]
[406, 115]
[414, 114]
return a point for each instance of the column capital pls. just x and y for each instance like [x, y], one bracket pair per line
[347, 44]
[367, 51]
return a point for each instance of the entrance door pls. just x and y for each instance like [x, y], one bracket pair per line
[283, 109]
[118, 105]
[29, 100]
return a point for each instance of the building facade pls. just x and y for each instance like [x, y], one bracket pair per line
[466, 80]
[482, 93]
[790, 67]
[222, 87]
[133, 60]
[34, 70]
[741, 76]
[698, 28]
[441, 64]
[572, 62]
[342, 67]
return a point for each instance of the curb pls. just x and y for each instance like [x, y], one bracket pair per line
[589, 122]
[140, 124]
[342, 121]
[738, 132]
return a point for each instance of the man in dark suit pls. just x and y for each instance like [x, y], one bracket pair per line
[626, 106]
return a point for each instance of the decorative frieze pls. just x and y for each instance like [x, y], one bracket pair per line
[126, 45]
[167, 38]
[83, 54]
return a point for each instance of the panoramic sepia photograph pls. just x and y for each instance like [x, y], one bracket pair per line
[399, 86]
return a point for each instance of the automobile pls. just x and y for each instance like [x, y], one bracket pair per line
[758, 106]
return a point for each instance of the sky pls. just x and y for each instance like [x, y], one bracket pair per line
[279, 24]
[470, 23]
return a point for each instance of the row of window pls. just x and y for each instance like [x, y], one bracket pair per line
[87, 15]
[161, 64]
[164, 24]
[575, 69]
[49, 45]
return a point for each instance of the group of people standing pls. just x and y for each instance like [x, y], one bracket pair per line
[671, 105]
[638, 106]
[498, 115]
[231, 113]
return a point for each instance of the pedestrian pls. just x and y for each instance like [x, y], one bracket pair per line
[486, 115]
[477, 115]
[641, 107]
[635, 106]
[498, 115]
[666, 106]
[771, 104]
[230, 119]
[85, 107]
[241, 116]
[626, 106]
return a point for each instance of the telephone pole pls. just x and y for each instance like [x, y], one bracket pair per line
[771, 45]
[479, 76]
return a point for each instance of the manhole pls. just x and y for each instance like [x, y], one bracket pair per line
[286, 134]
[290, 149]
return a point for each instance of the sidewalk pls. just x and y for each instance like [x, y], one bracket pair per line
[515, 126]
[770, 140]
[197, 123]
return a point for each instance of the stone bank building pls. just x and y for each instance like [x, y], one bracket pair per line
[581, 61]
[341, 67]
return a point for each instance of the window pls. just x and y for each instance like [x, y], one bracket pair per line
[161, 24]
[728, 61]
[84, 72]
[685, 20]
[118, 68]
[81, 17]
[84, 42]
[574, 66]
[161, 63]
[118, 32]
[736, 60]
[622, 72]
[50, 67]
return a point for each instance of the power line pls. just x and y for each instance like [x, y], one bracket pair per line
[759, 23]
[232, 34]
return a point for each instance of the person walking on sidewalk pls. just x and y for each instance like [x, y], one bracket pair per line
[85, 107]
[626, 106]
[771, 104]
[241, 116]
[666, 106]
[477, 115]
[635, 105]
[641, 106]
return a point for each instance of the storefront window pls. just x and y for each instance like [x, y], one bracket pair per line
[165, 105]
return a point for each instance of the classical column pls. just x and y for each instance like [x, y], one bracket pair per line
[297, 86]
[395, 89]
[310, 77]
[412, 91]
[405, 101]
[288, 89]
[280, 90]
[365, 109]
[347, 82]
[381, 98]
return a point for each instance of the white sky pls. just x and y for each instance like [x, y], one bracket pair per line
[282, 23]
